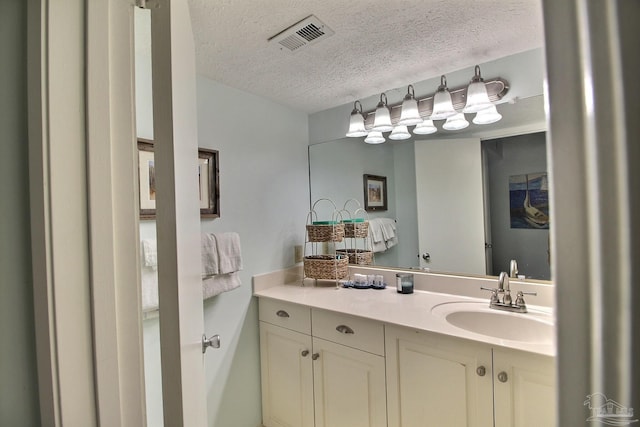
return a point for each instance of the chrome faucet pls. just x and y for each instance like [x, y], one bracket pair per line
[507, 304]
[513, 268]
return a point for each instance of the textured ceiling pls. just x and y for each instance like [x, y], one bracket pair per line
[378, 45]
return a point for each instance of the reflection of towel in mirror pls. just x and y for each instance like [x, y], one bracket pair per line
[150, 254]
[221, 261]
[382, 232]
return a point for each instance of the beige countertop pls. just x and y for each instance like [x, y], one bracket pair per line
[421, 310]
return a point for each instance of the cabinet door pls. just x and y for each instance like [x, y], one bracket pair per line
[525, 396]
[287, 377]
[433, 380]
[349, 386]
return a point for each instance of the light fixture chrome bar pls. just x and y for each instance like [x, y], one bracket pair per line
[497, 88]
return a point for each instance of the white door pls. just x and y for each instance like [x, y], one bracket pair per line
[437, 380]
[287, 377]
[450, 205]
[524, 389]
[349, 386]
[177, 214]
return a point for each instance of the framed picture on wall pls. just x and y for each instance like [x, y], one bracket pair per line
[208, 183]
[208, 187]
[146, 179]
[375, 193]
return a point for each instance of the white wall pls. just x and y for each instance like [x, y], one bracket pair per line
[264, 197]
[18, 381]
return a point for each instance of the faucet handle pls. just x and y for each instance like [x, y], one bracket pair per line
[520, 297]
[494, 293]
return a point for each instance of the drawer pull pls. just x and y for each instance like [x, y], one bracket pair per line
[282, 313]
[305, 353]
[503, 377]
[344, 329]
[315, 356]
[481, 371]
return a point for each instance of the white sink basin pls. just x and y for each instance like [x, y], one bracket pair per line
[533, 327]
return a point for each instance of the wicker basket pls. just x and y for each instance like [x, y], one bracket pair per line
[356, 229]
[326, 267]
[357, 256]
[325, 232]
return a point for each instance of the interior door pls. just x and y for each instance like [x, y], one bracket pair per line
[450, 205]
[177, 214]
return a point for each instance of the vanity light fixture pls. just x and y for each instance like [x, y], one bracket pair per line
[410, 115]
[400, 132]
[442, 103]
[374, 137]
[382, 122]
[356, 122]
[478, 97]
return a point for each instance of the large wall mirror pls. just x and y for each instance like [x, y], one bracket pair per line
[466, 201]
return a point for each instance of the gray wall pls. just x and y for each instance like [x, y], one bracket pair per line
[264, 196]
[336, 172]
[18, 381]
[516, 155]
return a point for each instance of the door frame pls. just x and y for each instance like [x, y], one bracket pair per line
[84, 247]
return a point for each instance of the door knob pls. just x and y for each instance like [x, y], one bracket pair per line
[214, 342]
[315, 356]
[305, 353]
[503, 377]
[426, 256]
[481, 371]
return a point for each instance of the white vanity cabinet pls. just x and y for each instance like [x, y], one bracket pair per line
[524, 388]
[434, 379]
[330, 373]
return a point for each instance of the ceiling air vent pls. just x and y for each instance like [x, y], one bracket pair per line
[306, 32]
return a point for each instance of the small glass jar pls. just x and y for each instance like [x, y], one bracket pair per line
[404, 283]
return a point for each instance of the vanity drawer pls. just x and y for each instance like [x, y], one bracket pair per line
[288, 315]
[356, 332]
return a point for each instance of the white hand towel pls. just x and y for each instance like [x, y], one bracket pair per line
[149, 289]
[214, 285]
[150, 253]
[375, 230]
[229, 254]
[209, 254]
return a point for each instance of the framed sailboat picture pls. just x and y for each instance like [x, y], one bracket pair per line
[529, 200]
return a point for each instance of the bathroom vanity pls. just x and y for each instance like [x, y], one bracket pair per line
[348, 357]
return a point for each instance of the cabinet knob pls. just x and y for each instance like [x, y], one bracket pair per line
[481, 371]
[305, 353]
[282, 313]
[315, 356]
[503, 377]
[344, 329]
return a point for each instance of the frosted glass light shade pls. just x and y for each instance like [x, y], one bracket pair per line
[374, 137]
[456, 122]
[409, 115]
[442, 105]
[477, 98]
[487, 116]
[356, 125]
[382, 121]
[399, 132]
[425, 128]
